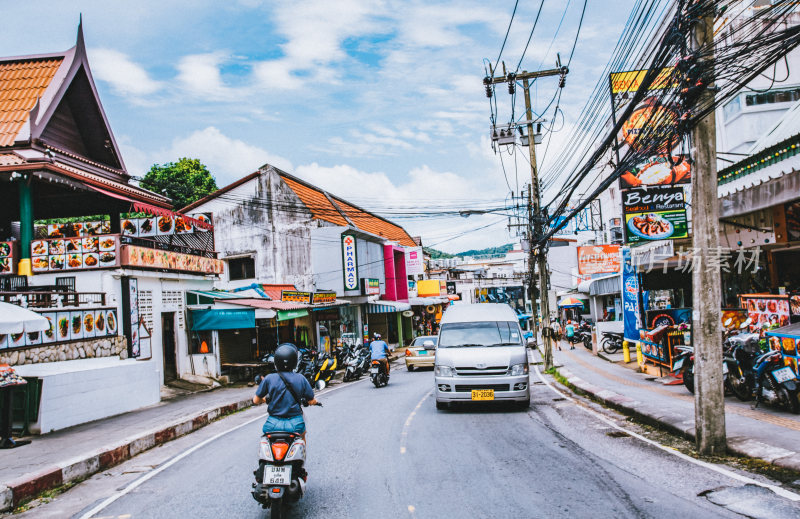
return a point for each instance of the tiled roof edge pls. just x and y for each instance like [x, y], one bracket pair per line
[766, 157]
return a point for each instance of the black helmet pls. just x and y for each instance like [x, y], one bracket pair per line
[285, 357]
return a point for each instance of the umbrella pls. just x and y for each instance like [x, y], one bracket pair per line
[15, 319]
[570, 302]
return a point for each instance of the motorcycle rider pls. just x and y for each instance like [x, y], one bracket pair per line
[282, 390]
[380, 351]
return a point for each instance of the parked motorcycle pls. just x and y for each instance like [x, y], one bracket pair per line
[741, 350]
[612, 342]
[351, 363]
[327, 368]
[281, 475]
[364, 360]
[777, 384]
[584, 332]
[378, 374]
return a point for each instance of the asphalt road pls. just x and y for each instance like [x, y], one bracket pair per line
[389, 453]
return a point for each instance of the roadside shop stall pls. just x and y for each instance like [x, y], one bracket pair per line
[787, 340]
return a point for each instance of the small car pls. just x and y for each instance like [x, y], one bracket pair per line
[421, 352]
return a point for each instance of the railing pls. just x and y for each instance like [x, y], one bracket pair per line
[171, 247]
[52, 297]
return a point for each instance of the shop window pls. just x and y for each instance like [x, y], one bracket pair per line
[202, 342]
[773, 96]
[241, 268]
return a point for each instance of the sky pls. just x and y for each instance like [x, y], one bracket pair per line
[380, 102]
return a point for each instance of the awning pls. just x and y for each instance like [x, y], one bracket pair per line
[600, 286]
[385, 307]
[285, 315]
[219, 319]
[430, 300]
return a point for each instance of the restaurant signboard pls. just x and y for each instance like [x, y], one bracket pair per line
[598, 259]
[296, 296]
[654, 213]
[136, 256]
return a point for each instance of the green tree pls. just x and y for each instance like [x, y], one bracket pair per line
[185, 181]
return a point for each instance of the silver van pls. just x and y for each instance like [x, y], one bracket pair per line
[481, 355]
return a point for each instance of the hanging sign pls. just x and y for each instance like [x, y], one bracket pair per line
[324, 297]
[414, 261]
[295, 296]
[598, 259]
[630, 298]
[654, 213]
[349, 262]
[370, 286]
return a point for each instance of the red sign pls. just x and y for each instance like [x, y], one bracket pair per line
[598, 259]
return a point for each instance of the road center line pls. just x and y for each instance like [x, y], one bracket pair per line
[407, 425]
[161, 468]
[744, 479]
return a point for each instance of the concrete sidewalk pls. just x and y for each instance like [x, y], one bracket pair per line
[766, 433]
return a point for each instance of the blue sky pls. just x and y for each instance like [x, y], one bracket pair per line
[380, 102]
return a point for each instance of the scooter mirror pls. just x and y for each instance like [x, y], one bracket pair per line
[320, 385]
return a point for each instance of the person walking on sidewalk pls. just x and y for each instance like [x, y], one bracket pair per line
[557, 333]
[570, 331]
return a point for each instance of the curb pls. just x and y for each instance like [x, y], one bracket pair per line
[678, 425]
[14, 492]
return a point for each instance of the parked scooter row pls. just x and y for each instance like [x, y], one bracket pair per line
[749, 373]
[317, 369]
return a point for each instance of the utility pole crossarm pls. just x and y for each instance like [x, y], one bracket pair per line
[527, 75]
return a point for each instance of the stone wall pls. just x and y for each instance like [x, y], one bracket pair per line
[90, 348]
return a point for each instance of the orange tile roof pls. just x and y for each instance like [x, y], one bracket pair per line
[316, 201]
[21, 84]
[274, 291]
[10, 159]
[320, 206]
[375, 225]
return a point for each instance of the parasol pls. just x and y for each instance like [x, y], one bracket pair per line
[570, 302]
[15, 319]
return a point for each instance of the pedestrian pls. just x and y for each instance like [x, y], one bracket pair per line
[557, 333]
[570, 330]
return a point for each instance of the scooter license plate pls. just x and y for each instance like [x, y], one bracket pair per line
[374, 370]
[784, 374]
[483, 394]
[678, 364]
[274, 475]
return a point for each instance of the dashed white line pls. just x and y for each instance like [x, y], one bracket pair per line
[407, 425]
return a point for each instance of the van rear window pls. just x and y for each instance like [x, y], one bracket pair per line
[479, 334]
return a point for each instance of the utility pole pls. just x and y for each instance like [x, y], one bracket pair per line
[531, 262]
[709, 403]
[535, 220]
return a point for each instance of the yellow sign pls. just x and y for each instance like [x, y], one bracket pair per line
[631, 81]
[430, 287]
[295, 296]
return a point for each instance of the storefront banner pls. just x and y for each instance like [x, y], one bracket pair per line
[223, 319]
[430, 287]
[654, 213]
[295, 296]
[630, 298]
[285, 315]
[371, 286]
[136, 256]
[323, 297]
[414, 261]
[349, 262]
[598, 259]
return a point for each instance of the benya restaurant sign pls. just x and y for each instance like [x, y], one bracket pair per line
[349, 262]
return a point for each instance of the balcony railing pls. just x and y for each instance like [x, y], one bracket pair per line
[52, 297]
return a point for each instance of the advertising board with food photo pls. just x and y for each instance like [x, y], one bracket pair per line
[62, 326]
[88, 323]
[658, 172]
[147, 227]
[7, 260]
[76, 324]
[81, 253]
[654, 213]
[49, 335]
[767, 310]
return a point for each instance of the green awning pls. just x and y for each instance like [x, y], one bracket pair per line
[218, 319]
[285, 315]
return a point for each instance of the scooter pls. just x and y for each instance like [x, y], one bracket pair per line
[281, 475]
[351, 363]
[683, 363]
[585, 334]
[777, 384]
[364, 361]
[741, 350]
[327, 367]
[378, 374]
[612, 342]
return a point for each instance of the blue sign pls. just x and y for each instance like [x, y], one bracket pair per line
[630, 298]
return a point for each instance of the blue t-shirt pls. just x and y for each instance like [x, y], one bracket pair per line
[379, 349]
[281, 402]
[570, 328]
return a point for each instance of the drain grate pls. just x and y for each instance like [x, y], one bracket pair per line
[617, 434]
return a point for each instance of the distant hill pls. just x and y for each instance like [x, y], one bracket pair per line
[437, 254]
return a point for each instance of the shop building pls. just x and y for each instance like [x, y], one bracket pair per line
[114, 296]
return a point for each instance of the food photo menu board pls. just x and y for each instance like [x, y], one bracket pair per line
[8, 258]
[162, 225]
[767, 309]
[54, 254]
[67, 325]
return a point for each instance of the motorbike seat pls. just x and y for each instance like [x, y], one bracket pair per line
[275, 436]
[614, 335]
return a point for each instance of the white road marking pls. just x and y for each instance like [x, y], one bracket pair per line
[133, 485]
[738, 477]
[407, 425]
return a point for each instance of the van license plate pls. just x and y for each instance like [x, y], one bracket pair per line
[274, 475]
[483, 394]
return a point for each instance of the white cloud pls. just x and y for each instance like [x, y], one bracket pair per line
[200, 75]
[127, 78]
[226, 158]
[422, 189]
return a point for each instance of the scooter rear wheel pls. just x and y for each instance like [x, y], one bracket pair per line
[276, 509]
[688, 380]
